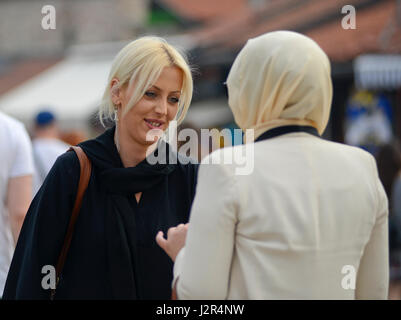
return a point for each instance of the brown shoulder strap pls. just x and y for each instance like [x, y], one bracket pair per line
[85, 173]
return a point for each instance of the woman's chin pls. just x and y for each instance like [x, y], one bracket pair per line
[149, 140]
[152, 136]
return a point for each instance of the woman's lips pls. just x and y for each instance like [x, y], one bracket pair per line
[154, 124]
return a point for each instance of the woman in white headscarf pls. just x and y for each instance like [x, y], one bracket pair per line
[310, 220]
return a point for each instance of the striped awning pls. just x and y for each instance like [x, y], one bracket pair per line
[378, 71]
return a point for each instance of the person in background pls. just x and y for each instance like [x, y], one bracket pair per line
[389, 165]
[47, 146]
[16, 172]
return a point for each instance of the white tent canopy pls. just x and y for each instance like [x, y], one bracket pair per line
[72, 89]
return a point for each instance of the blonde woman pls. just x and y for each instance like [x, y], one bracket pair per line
[310, 221]
[113, 254]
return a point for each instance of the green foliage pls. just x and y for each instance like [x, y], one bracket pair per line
[161, 17]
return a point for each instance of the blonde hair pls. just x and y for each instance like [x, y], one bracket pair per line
[142, 62]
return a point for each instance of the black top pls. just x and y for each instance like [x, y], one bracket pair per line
[113, 252]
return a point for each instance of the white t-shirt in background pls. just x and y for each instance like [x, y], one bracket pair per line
[45, 153]
[15, 160]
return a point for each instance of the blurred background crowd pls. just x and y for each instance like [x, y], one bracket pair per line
[52, 80]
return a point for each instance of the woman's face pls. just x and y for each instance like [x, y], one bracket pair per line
[155, 110]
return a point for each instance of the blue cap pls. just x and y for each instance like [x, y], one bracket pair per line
[44, 118]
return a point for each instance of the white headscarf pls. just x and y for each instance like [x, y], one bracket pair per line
[280, 78]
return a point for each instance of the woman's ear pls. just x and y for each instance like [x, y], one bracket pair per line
[115, 92]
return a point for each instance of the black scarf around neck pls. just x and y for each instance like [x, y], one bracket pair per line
[120, 185]
[114, 177]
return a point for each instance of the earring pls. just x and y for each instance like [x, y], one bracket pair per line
[115, 117]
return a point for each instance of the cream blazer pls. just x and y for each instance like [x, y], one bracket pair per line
[309, 222]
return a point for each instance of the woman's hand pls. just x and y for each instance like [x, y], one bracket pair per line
[175, 240]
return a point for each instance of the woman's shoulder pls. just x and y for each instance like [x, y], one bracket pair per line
[187, 163]
[189, 168]
[173, 156]
[65, 171]
[61, 183]
[185, 160]
[68, 162]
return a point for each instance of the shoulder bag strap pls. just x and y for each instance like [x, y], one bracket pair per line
[85, 173]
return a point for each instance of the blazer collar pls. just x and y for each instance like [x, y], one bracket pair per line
[275, 132]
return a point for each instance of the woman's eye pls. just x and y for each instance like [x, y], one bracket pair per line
[150, 94]
[174, 100]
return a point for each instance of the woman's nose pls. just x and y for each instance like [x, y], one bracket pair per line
[161, 107]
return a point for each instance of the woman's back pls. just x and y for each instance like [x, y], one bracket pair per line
[307, 211]
[303, 219]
